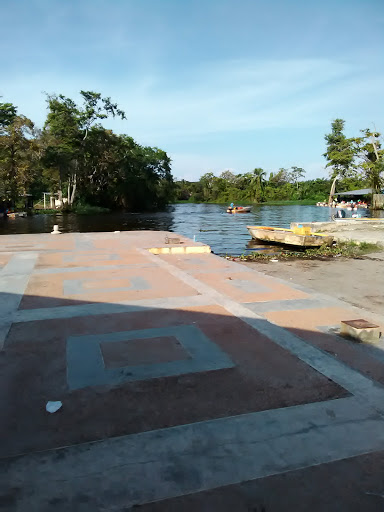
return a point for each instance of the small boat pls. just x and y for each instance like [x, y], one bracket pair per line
[14, 215]
[301, 237]
[239, 209]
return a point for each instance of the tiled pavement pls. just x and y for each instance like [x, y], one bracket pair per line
[181, 377]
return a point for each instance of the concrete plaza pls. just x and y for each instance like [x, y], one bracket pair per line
[188, 382]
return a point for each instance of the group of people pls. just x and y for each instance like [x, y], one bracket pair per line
[348, 205]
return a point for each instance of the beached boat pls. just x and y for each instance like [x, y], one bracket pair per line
[298, 237]
[239, 209]
[14, 215]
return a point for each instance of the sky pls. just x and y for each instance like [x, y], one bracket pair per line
[218, 84]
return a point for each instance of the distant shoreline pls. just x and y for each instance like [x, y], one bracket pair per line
[303, 202]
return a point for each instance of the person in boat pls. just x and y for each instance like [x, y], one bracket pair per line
[3, 210]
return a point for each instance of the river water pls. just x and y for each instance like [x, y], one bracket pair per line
[208, 223]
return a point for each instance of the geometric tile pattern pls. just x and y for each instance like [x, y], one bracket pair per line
[246, 286]
[81, 286]
[161, 349]
[151, 332]
[81, 258]
[85, 364]
[249, 287]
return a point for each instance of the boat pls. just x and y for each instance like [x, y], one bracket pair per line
[14, 215]
[239, 209]
[298, 237]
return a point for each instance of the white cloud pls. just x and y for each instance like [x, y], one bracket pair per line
[226, 98]
[189, 166]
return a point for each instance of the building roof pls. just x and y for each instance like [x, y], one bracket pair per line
[361, 192]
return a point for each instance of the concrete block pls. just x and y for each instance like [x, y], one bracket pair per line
[172, 240]
[360, 329]
[194, 249]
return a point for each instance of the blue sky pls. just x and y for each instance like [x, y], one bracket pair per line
[218, 84]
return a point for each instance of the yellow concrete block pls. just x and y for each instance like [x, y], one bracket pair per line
[198, 249]
[303, 230]
[177, 250]
[193, 249]
[360, 329]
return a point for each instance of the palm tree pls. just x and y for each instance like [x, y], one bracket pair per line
[257, 183]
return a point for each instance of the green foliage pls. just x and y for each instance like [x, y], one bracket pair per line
[8, 112]
[75, 157]
[371, 157]
[257, 182]
[87, 209]
[44, 211]
[19, 155]
[356, 162]
[341, 151]
[284, 185]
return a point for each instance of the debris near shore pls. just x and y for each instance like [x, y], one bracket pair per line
[340, 249]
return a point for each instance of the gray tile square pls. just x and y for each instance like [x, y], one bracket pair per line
[85, 364]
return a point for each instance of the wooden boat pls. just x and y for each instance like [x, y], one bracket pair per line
[14, 215]
[289, 236]
[239, 209]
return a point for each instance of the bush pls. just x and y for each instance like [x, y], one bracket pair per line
[87, 209]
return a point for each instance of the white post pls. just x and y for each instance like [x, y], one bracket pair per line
[45, 201]
[55, 230]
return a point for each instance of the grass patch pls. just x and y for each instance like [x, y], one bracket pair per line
[79, 209]
[341, 249]
[44, 211]
[87, 209]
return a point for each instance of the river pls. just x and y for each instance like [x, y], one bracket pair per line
[208, 223]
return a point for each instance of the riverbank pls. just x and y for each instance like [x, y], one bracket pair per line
[359, 282]
[207, 223]
[347, 249]
[360, 231]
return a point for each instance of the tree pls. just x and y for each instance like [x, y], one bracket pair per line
[8, 113]
[280, 178]
[295, 174]
[340, 151]
[75, 152]
[19, 152]
[66, 131]
[371, 158]
[228, 176]
[257, 183]
[207, 181]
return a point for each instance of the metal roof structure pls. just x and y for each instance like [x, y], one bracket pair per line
[361, 192]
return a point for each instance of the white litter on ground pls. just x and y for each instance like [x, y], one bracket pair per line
[53, 406]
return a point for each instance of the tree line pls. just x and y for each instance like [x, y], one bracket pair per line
[356, 162]
[76, 158]
[256, 187]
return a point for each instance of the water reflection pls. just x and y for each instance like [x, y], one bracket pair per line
[208, 223]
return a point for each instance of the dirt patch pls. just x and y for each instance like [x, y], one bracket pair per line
[359, 282]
